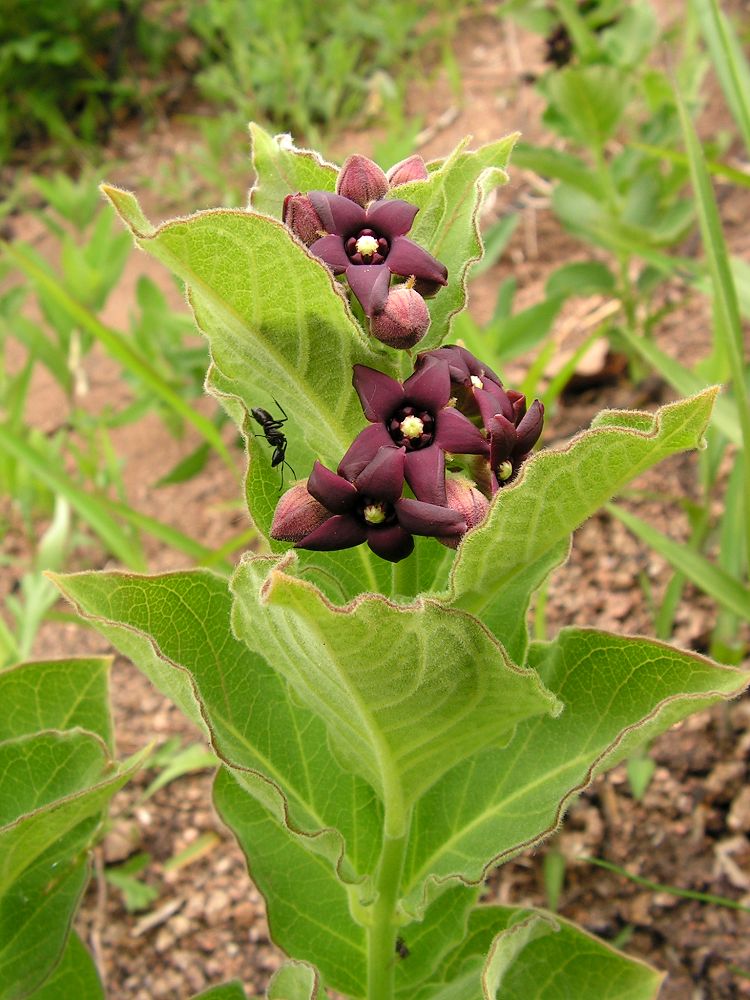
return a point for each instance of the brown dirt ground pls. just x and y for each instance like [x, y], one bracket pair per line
[692, 828]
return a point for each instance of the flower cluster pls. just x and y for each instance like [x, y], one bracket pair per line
[360, 234]
[450, 431]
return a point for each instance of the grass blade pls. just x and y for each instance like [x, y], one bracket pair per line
[716, 582]
[729, 63]
[94, 511]
[120, 349]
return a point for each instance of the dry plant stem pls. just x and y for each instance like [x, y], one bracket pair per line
[381, 933]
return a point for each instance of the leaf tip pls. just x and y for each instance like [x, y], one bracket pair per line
[126, 205]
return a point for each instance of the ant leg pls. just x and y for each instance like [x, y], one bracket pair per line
[282, 410]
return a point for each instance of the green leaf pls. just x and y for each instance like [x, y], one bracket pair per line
[559, 166]
[282, 169]
[405, 692]
[558, 490]
[227, 991]
[75, 976]
[729, 62]
[450, 201]
[56, 694]
[582, 277]
[533, 955]
[588, 102]
[294, 981]
[618, 693]
[308, 906]
[51, 782]
[36, 912]
[176, 629]
[275, 321]
[712, 579]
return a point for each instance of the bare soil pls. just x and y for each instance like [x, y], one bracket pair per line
[692, 827]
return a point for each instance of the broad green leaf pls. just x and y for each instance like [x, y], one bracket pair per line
[275, 320]
[176, 629]
[431, 939]
[558, 489]
[716, 582]
[36, 912]
[449, 202]
[618, 693]
[51, 782]
[557, 165]
[533, 955]
[75, 977]
[582, 277]
[56, 694]
[587, 102]
[405, 692]
[308, 906]
[294, 981]
[282, 169]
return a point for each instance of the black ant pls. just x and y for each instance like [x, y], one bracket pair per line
[273, 433]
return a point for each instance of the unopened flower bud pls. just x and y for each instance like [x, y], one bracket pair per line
[361, 180]
[403, 320]
[464, 497]
[297, 514]
[300, 216]
[411, 169]
[427, 288]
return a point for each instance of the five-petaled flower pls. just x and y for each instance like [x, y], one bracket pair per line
[369, 244]
[416, 416]
[369, 508]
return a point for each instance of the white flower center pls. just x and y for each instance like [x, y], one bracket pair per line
[411, 427]
[374, 513]
[367, 245]
[477, 382]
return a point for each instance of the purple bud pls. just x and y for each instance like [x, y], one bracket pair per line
[411, 169]
[403, 320]
[300, 216]
[465, 498]
[297, 514]
[361, 180]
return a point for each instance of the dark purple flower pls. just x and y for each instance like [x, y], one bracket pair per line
[368, 245]
[511, 443]
[477, 388]
[369, 508]
[417, 417]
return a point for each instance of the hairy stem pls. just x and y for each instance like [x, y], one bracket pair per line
[381, 934]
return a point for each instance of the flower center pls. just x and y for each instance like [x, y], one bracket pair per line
[366, 248]
[374, 513]
[504, 471]
[412, 428]
[477, 382]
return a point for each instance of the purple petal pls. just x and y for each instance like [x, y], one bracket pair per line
[363, 449]
[530, 427]
[406, 258]
[369, 282]
[503, 439]
[393, 543]
[378, 393]
[430, 385]
[342, 531]
[338, 214]
[383, 477]
[425, 473]
[334, 492]
[456, 434]
[331, 250]
[391, 218]
[420, 518]
[492, 401]
[518, 402]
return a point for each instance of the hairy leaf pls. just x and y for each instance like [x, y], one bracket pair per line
[282, 169]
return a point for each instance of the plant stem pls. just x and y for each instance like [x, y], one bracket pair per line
[381, 934]
[404, 576]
